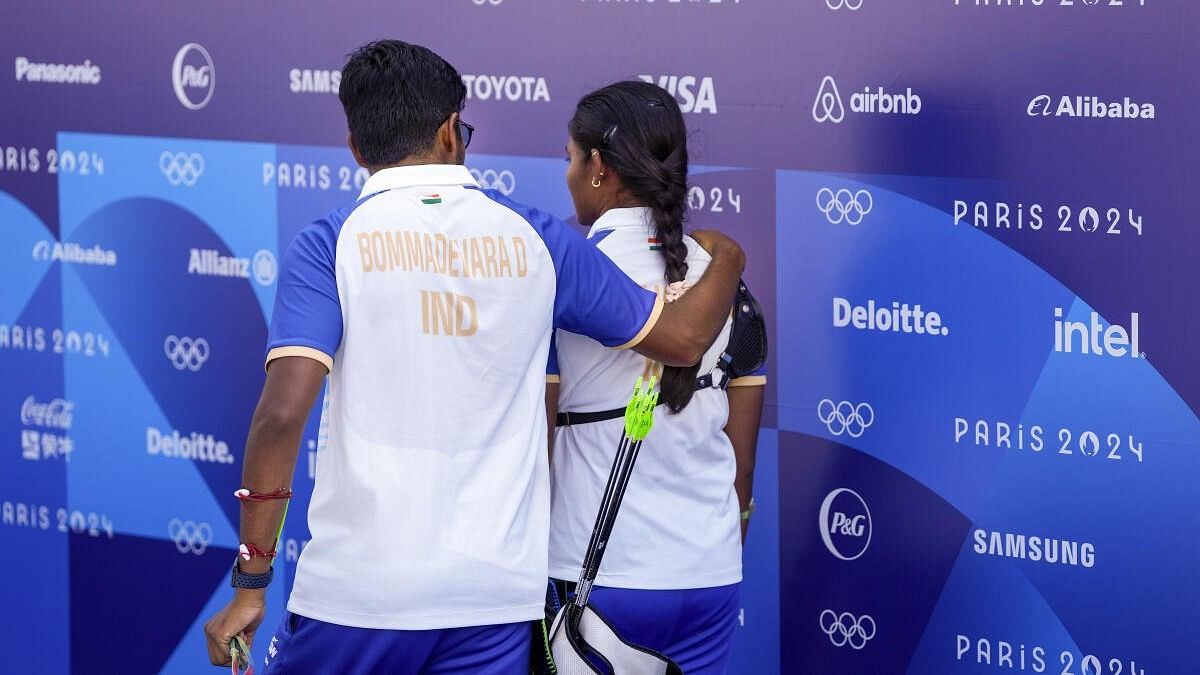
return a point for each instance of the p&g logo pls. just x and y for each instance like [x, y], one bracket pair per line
[845, 523]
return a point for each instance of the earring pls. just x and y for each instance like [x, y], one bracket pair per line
[595, 182]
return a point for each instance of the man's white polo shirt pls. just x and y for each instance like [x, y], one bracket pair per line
[432, 302]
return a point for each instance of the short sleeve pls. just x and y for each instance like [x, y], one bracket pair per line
[307, 320]
[593, 297]
[756, 379]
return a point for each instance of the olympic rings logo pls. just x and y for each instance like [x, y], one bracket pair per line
[189, 536]
[185, 352]
[181, 168]
[846, 629]
[504, 180]
[844, 206]
[828, 106]
[845, 417]
[852, 5]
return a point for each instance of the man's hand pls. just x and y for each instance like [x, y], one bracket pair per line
[711, 240]
[243, 615]
[687, 327]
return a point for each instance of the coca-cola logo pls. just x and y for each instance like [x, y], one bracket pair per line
[57, 414]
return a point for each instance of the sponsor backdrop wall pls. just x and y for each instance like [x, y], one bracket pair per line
[971, 221]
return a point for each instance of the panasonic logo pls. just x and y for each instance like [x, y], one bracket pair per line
[56, 73]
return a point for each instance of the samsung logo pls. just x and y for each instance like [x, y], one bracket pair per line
[306, 81]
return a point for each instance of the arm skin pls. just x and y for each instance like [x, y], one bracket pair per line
[745, 414]
[292, 386]
[551, 414]
[687, 327]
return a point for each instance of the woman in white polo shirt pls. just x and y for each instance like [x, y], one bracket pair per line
[672, 569]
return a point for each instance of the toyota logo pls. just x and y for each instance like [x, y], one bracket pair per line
[186, 353]
[828, 105]
[852, 5]
[846, 629]
[181, 168]
[195, 78]
[844, 206]
[264, 267]
[190, 537]
[503, 180]
[845, 523]
[845, 417]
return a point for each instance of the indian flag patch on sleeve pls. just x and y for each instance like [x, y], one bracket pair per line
[431, 199]
[655, 244]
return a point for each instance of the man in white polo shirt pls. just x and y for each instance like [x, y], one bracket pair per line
[429, 304]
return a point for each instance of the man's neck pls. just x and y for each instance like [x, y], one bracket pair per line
[413, 161]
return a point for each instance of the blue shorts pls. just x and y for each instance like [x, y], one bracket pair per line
[304, 645]
[693, 627]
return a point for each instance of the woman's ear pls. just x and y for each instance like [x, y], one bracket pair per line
[596, 164]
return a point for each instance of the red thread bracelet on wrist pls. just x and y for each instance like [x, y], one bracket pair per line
[245, 495]
[250, 551]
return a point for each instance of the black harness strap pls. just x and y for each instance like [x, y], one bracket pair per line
[566, 419]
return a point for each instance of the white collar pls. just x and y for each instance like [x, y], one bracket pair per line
[417, 175]
[636, 216]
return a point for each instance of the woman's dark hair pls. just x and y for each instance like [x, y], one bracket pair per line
[396, 95]
[639, 131]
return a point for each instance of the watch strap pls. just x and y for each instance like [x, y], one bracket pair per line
[240, 579]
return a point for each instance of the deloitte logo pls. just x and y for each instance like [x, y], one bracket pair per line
[899, 317]
[829, 106]
[845, 523]
[193, 76]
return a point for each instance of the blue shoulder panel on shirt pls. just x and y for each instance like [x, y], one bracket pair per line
[308, 311]
[552, 360]
[593, 296]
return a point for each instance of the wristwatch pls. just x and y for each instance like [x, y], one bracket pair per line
[750, 508]
[242, 580]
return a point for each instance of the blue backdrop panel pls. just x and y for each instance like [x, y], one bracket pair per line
[969, 221]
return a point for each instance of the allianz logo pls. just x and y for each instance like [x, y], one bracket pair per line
[210, 263]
